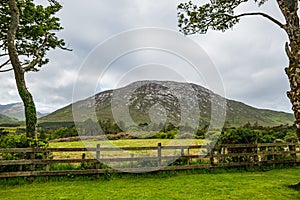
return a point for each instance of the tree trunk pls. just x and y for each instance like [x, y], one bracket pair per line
[289, 10]
[293, 72]
[30, 111]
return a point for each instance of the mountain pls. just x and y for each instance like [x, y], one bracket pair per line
[7, 120]
[151, 101]
[15, 110]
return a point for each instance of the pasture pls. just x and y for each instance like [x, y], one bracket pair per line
[128, 143]
[176, 185]
[120, 144]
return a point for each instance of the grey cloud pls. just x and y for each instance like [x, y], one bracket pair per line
[250, 58]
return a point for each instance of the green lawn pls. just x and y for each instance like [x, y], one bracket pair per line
[234, 185]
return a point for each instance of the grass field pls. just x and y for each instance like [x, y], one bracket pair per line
[128, 143]
[184, 185]
[123, 143]
[12, 129]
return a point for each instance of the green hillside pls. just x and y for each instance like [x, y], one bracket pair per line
[7, 120]
[149, 94]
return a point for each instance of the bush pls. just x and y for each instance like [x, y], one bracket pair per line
[64, 132]
[19, 141]
[291, 137]
[3, 132]
[238, 136]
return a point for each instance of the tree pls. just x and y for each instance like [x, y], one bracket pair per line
[220, 15]
[28, 32]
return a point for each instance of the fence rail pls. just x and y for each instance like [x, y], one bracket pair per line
[16, 162]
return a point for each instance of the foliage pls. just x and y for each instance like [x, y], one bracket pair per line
[290, 137]
[36, 33]
[250, 134]
[109, 127]
[12, 140]
[28, 32]
[3, 132]
[171, 134]
[220, 15]
[63, 132]
[216, 15]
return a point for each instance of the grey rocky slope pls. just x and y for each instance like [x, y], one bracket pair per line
[166, 101]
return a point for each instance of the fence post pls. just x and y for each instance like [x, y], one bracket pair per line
[83, 163]
[188, 153]
[22, 158]
[255, 154]
[273, 156]
[211, 155]
[32, 157]
[292, 148]
[48, 164]
[182, 158]
[32, 167]
[98, 159]
[159, 154]
[48, 158]
[182, 152]
[131, 162]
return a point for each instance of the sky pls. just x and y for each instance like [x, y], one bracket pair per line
[249, 59]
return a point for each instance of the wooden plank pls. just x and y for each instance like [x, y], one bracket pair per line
[159, 158]
[23, 150]
[60, 161]
[70, 149]
[15, 162]
[128, 170]
[235, 146]
[257, 154]
[39, 150]
[275, 144]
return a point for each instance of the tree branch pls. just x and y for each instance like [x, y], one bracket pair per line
[38, 58]
[64, 48]
[4, 54]
[6, 70]
[4, 64]
[264, 15]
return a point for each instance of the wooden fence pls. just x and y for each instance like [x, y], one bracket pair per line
[44, 162]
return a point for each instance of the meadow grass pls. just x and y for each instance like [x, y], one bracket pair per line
[183, 185]
[128, 143]
[12, 129]
[122, 143]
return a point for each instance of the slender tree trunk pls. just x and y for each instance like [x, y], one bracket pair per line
[293, 72]
[30, 111]
[289, 9]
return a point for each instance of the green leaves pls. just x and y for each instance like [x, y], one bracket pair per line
[217, 15]
[37, 30]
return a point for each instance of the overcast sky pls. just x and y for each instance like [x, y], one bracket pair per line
[250, 58]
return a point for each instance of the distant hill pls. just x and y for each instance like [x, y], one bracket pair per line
[7, 120]
[145, 94]
[15, 110]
